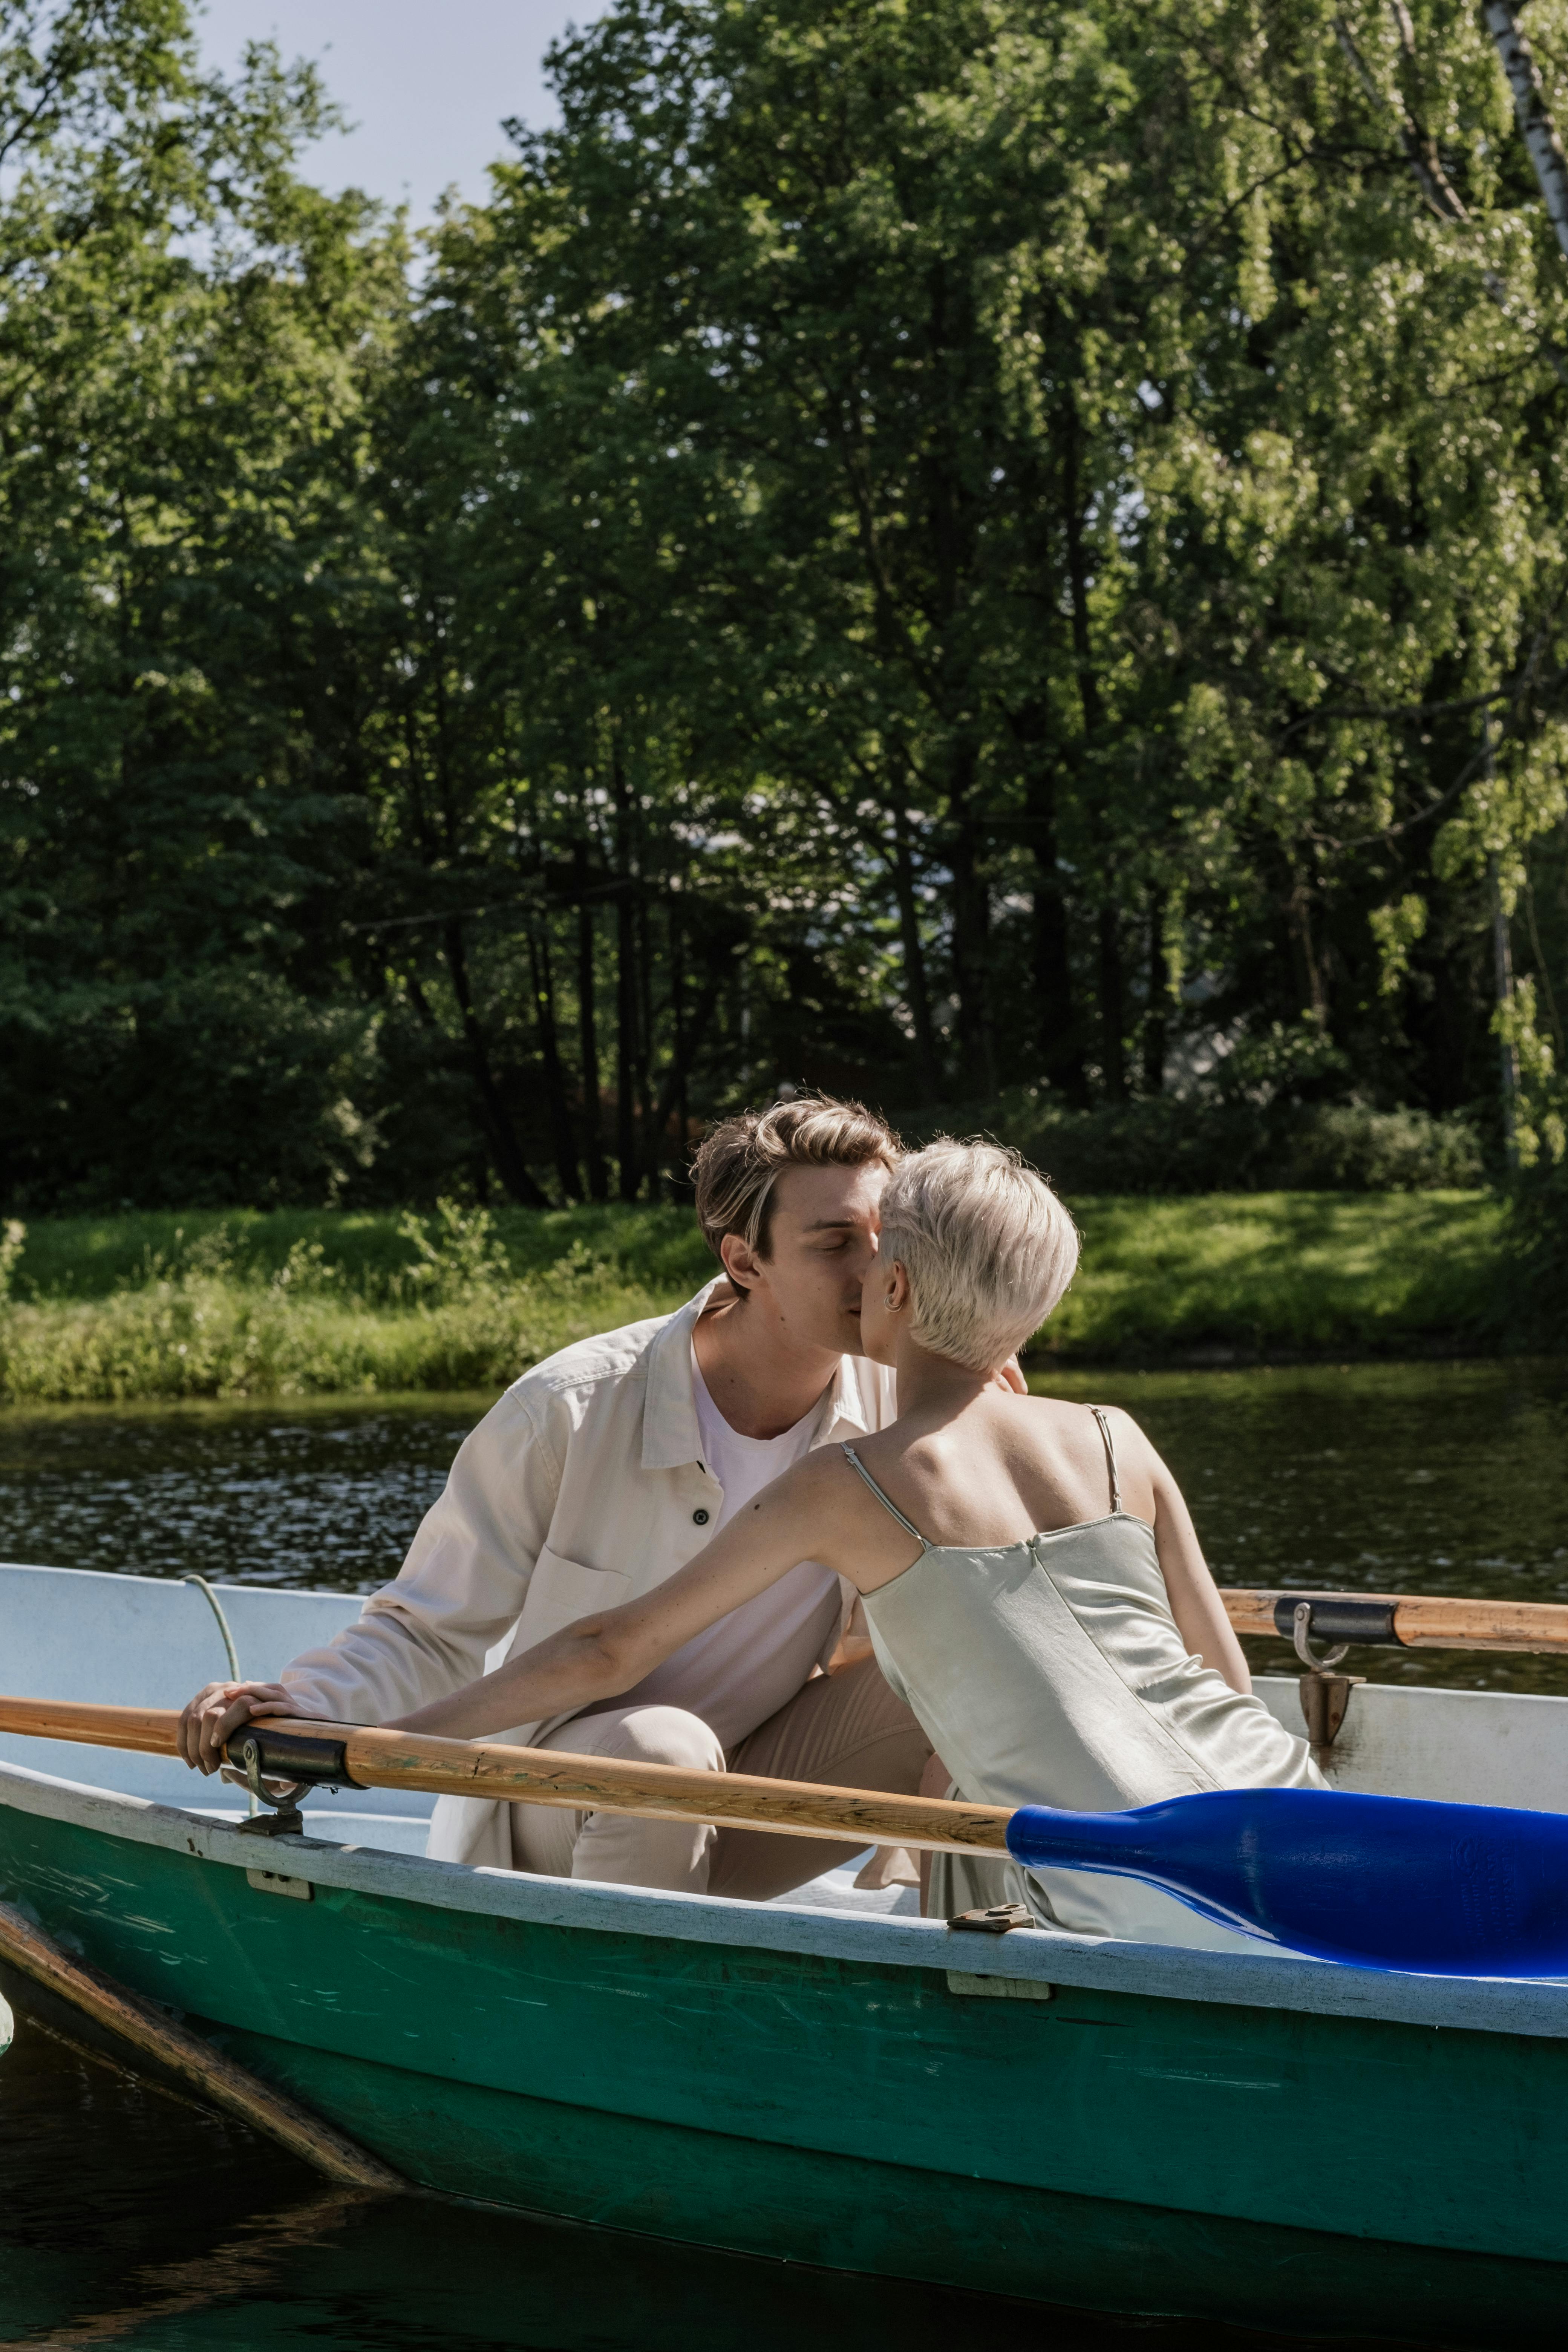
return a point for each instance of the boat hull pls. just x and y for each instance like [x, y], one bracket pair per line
[1100, 2147]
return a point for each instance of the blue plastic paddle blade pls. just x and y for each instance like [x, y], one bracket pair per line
[1383, 1882]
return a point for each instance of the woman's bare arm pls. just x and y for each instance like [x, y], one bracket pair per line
[600, 1657]
[1193, 1593]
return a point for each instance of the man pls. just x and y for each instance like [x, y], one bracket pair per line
[603, 1470]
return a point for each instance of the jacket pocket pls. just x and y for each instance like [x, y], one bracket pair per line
[561, 1590]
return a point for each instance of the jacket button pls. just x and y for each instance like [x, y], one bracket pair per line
[698, 1519]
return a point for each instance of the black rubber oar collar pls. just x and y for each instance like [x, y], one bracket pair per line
[291, 1756]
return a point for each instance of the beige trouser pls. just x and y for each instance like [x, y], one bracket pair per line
[846, 1728]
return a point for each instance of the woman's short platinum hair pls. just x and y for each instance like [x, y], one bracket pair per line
[987, 1247]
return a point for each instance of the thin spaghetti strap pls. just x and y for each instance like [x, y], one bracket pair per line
[1099, 1413]
[855, 1462]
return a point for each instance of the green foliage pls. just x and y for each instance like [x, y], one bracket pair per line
[935, 548]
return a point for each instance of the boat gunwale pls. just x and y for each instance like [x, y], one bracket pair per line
[1282, 1980]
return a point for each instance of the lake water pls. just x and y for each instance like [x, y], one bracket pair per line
[131, 2219]
[1445, 1478]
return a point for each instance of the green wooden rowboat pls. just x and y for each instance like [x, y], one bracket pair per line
[1122, 2127]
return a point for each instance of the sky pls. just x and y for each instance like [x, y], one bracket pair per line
[426, 82]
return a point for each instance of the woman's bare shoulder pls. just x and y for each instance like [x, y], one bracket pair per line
[1071, 1425]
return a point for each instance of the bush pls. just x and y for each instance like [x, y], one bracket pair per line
[1345, 1148]
[1214, 1143]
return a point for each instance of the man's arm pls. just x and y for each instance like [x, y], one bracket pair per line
[459, 1591]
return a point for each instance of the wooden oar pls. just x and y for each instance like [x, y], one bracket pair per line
[219, 2080]
[1384, 1882]
[346, 1754]
[1403, 1620]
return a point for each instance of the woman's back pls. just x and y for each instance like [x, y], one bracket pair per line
[1048, 1667]
[1008, 1467]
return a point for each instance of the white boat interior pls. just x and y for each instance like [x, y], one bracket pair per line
[83, 1634]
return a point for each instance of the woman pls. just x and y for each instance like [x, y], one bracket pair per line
[1031, 1579]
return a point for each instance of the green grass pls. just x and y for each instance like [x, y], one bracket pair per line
[297, 1303]
[1368, 1274]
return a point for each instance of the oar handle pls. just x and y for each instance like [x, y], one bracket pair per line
[1403, 1620]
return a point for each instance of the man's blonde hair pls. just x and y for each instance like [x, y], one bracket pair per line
[739, 1161]
[988, 1248]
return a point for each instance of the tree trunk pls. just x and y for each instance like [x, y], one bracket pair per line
[510, 1162]
[1309, 974]
[1112, 1009]
[673, 1095]
[1060, 1045]
[625, 1039]
[650, 1133]
[587, 1033]
[1156, 1019]
[692, 1027]
[628, 1173]
[970, 930]
[1112, 1050]
[916, 988]
[543, 980]
[1540, 132]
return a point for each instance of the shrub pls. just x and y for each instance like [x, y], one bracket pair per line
[1229, 1143]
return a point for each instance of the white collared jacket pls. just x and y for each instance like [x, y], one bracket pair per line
[583, 1487]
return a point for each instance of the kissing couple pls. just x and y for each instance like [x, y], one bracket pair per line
[811, 1527]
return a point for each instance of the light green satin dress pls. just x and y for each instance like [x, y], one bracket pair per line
[1051, 1673]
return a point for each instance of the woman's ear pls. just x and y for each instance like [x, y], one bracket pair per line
[895, 1284]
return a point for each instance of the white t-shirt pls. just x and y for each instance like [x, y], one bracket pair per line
[742, 1669]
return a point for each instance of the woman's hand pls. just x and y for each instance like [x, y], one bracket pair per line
[216, 1713]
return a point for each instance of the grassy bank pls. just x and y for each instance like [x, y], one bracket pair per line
[297, 1303]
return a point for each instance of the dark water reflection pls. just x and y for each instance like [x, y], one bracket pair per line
[130, 2219]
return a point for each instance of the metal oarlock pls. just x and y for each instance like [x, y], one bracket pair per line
[282, 1817]
[1324, 1697]
[1301, 1636]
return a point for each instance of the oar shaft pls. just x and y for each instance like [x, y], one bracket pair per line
[376, 1758]
[1404, 1621]
[115, 2009]
[537, 1776]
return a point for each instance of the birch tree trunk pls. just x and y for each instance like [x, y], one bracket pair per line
[1540, 132]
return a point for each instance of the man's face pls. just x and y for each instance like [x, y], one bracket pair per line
[822, 1236]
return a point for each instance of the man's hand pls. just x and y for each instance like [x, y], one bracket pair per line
[216, 1713]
